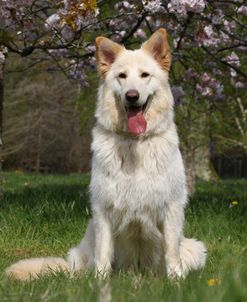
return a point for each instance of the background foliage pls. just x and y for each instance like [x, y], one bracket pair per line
[48, 58]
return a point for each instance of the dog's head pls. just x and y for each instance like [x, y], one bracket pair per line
[133, 83]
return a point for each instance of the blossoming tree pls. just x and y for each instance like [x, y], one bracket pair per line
[208, 41]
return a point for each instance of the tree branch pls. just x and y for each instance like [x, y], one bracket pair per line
[240, 72]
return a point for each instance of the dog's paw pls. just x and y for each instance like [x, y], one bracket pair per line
[174, 270]
[102, 271]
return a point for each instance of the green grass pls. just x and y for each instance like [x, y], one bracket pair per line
[46, 215]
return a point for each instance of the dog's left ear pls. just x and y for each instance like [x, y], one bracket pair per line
[106, 53]
[157, 45]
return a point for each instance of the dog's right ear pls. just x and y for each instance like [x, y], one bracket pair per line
[158, 46]
[106, 53]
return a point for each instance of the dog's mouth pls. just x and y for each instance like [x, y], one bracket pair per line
[137, 123]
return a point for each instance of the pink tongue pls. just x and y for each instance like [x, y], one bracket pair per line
[136, 121]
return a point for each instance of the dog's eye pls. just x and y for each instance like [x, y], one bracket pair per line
[122, 75]
[145, 75]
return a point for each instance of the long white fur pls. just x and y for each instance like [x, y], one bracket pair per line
[33, 268]
[138, 186]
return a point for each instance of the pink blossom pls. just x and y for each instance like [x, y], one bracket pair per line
[123, 6]
[76, 72]
[153, 6]
[205, 91]
[217, 16]
[3, 52]
[176, 6]
[175, 42]
[208, 37]
[52, 21]
[178, 94]
[157, 23]
[233, 73]
[242, 10]
[58, 53]
[91, 63]
[121, 33]
[13, 11]
[112, 23]
[140, 33]
[233, 59]
[67, 33]
[126, 4]
[209, 30]
[206, 77]
[2, 57]
[191, 73]
[214, 28]
[90, 48]
[181, 7]
[209, 86]
[224, 38]
[229, 26]
[239, 84]
[66, 4]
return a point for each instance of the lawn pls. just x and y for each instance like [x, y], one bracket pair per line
[46, 215]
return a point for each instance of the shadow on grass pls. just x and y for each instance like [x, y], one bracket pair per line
[54, 200]
[54, 192]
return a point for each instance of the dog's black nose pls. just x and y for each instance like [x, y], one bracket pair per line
[132, 96]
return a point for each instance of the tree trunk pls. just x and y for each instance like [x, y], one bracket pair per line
[202, 163]
[198, 167]
[39, 146]
[190, 169]
[1, 126]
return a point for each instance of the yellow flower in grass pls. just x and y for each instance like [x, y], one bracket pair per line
[213, 282]
[233, 203]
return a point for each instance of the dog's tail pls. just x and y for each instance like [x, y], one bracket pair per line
[80, 258]
[193, 255]
[29, 269]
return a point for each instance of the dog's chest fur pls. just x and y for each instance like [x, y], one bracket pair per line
[134, 179]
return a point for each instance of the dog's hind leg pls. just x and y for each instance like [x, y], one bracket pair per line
[81, 257]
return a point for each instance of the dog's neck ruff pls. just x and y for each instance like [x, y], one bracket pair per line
[128, 134]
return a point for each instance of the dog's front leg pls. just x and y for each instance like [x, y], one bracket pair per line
[103, 245]
[173, 232]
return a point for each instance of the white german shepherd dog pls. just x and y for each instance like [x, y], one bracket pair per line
[138, 186]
